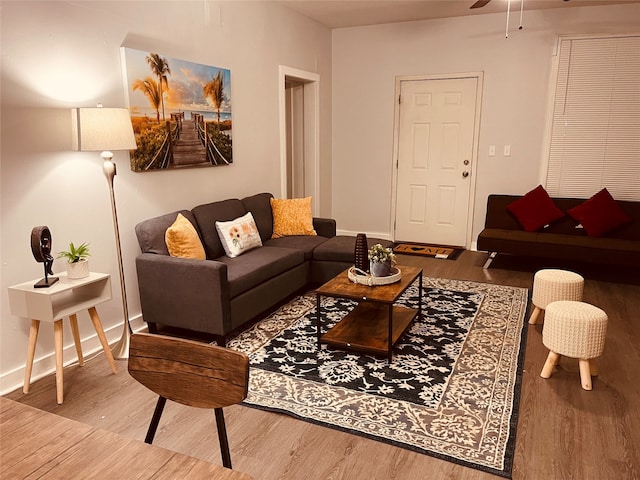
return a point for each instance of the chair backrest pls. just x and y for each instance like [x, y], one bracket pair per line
[189, 372]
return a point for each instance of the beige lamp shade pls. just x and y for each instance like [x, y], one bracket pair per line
[97, 129]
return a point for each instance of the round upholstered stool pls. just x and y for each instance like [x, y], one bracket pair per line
[576, 330]
[551, 285]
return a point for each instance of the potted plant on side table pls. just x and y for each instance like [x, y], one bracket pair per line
[77, 260]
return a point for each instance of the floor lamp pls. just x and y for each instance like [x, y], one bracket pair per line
[103, 130]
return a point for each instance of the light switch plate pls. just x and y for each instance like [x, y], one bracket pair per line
[507, 150]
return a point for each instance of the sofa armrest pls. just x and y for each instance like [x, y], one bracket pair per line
[184, 293]
[325, 227]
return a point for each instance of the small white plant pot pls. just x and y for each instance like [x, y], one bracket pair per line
[79, 269]
[380, 269]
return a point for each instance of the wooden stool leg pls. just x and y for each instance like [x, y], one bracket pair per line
[593, 367]
[95, 318]
[31, 351]
[73, 320]
[585, 374]
[552, 360]
[534, 315]
[57, 340]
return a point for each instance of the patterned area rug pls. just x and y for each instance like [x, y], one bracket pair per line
[451, 391]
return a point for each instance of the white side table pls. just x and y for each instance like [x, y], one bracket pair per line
[65, 298]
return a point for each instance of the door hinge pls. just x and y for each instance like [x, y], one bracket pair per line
[399, 102]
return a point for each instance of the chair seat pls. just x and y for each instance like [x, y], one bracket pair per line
[551, 285]
[576, 330]
[191, 373]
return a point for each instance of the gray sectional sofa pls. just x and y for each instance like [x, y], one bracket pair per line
[221, 294]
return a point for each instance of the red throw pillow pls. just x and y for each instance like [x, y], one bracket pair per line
[535, 209]
[600, 214]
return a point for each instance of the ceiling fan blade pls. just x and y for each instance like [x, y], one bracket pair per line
[480, 3]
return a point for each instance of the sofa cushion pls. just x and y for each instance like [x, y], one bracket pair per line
[535, 210]
[342, 248]
[260, 207]
[600, 214]
[304, 243]
[292, 216]
[258, 266]
[208, 214]
[183, 241]
[239, 235]
[151, 232]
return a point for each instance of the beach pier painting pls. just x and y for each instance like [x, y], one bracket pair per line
[180, 111]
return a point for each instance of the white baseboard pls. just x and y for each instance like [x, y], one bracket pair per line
[380, 235]
[46, 364]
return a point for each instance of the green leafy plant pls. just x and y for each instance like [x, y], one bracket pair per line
[380, 254]
[75, 254]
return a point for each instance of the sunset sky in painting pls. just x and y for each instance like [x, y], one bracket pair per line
[186, 83]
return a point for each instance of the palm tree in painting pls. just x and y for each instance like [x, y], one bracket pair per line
[160, 68]
[215, 90]
[152, 91]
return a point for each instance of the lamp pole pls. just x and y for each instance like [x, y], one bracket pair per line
[121, 349]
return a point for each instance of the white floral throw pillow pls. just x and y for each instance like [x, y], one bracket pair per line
[239, 235]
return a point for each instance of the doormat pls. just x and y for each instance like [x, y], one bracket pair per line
[428, 250]
[451, 391]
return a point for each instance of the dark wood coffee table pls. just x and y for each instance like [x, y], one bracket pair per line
[375, 325]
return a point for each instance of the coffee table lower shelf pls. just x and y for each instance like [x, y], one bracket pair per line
[367, 327]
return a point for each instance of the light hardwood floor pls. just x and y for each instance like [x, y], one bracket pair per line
[564, 432]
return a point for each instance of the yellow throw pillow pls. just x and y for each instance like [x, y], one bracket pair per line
[182, 239]
[292, 216]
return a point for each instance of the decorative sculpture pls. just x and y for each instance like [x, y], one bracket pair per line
[41, 248]
[360, 254]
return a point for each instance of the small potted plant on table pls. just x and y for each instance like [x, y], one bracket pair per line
[77, 260]
[381, 260]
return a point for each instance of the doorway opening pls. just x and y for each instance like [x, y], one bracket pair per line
[299, 134]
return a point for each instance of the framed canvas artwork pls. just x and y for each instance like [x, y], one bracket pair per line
[180, 111]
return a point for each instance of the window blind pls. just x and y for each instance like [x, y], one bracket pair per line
[595, 131]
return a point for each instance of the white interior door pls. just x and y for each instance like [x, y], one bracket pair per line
[437, 123]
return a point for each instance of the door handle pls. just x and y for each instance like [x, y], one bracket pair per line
[465, 174]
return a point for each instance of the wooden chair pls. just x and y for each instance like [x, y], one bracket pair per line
[190, 373]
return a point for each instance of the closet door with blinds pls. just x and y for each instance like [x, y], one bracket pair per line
[595, 131]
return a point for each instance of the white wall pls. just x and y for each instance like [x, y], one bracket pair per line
[516, 70]
[59, 55]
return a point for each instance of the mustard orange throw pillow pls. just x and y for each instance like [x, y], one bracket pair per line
[292, 216]
[182, 239]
